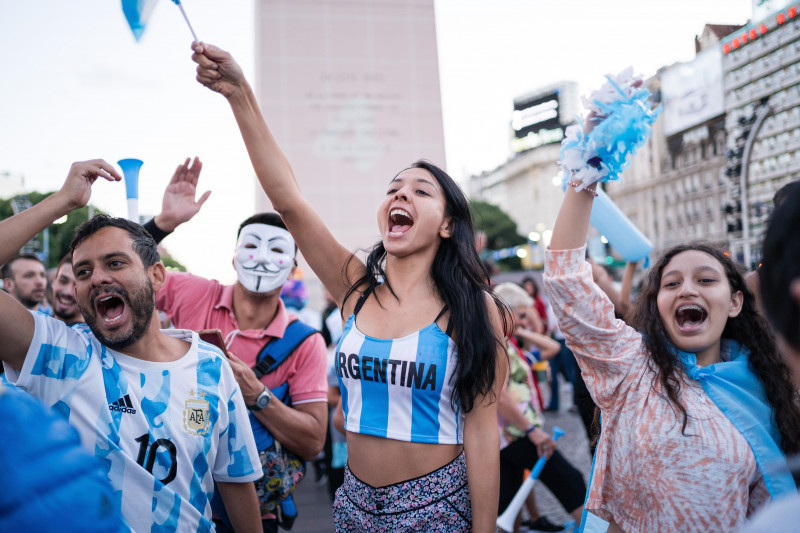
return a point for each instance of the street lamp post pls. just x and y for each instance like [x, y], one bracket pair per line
[761, 115]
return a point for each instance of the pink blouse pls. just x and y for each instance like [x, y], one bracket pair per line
[648, 475]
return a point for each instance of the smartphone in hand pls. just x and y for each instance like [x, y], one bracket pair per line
[213, 336]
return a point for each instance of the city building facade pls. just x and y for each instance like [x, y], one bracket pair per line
[728, 136]
[761, 69]
[527, 186]
[674, 191]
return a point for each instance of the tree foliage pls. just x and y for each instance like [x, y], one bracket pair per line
[60, 235]
[500, 229]
[172, 264]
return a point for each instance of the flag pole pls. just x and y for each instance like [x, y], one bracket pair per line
[194, 35]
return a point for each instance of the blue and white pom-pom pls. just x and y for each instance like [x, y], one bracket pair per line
[624, 116]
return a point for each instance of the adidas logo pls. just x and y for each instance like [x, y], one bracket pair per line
[123, 405]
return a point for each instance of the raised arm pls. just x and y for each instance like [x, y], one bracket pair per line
[178, 204]
[572, 222]
[605, 348]
[16, 323]
[218, 71]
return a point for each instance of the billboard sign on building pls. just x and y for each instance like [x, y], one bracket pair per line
[763, 8]
[692, 92]
[540, 117]
[756, 30]
[535, 114]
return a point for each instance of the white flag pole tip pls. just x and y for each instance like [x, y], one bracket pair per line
[180, 6]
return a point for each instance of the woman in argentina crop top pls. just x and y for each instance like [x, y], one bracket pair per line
[425, 260]
[378, 377]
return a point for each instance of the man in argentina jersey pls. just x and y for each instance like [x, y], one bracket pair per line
[160, 409]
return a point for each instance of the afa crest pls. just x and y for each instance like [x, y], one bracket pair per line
[195, 414]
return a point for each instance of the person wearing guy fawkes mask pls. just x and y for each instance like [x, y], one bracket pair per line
[250, 313]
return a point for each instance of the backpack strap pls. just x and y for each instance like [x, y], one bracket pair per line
[277, 350]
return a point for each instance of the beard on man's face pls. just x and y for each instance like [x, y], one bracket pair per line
[67, 313]
[28, 302]
[30, 299]
[140, 304]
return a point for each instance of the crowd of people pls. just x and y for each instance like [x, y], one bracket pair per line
[420, 373]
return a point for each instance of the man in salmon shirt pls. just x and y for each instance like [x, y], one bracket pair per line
[250, 313]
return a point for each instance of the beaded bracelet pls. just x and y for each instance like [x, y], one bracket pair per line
[575, 184]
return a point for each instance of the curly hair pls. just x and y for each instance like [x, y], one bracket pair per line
[459, 276]
[748, 328]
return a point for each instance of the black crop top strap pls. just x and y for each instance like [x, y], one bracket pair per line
[449, 323]
[361, 300]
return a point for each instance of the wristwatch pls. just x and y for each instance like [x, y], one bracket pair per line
[262, 400]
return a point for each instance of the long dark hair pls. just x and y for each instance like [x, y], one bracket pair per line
[460, 278]
[748, 328]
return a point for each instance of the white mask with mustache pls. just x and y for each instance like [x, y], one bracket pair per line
[264, 257]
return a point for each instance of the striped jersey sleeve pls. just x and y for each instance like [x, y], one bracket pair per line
[164, 431]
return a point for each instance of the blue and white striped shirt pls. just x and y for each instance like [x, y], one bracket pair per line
[399, 388]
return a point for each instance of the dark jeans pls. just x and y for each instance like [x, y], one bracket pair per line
[564, 363]
[558, 475]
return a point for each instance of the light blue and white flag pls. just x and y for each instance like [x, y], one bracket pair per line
[137, 12]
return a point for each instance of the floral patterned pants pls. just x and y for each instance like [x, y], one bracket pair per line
[436, 503]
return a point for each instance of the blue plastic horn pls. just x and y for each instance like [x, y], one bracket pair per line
[506, 520]
[130, 170]
[626, 238]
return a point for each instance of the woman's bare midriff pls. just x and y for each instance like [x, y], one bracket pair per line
[378, 461]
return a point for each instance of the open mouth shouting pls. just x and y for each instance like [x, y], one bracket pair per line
[110, 308]
[399, 222]
[119, 318]
[690, 318]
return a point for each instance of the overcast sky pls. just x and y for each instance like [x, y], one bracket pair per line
[75, 85]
